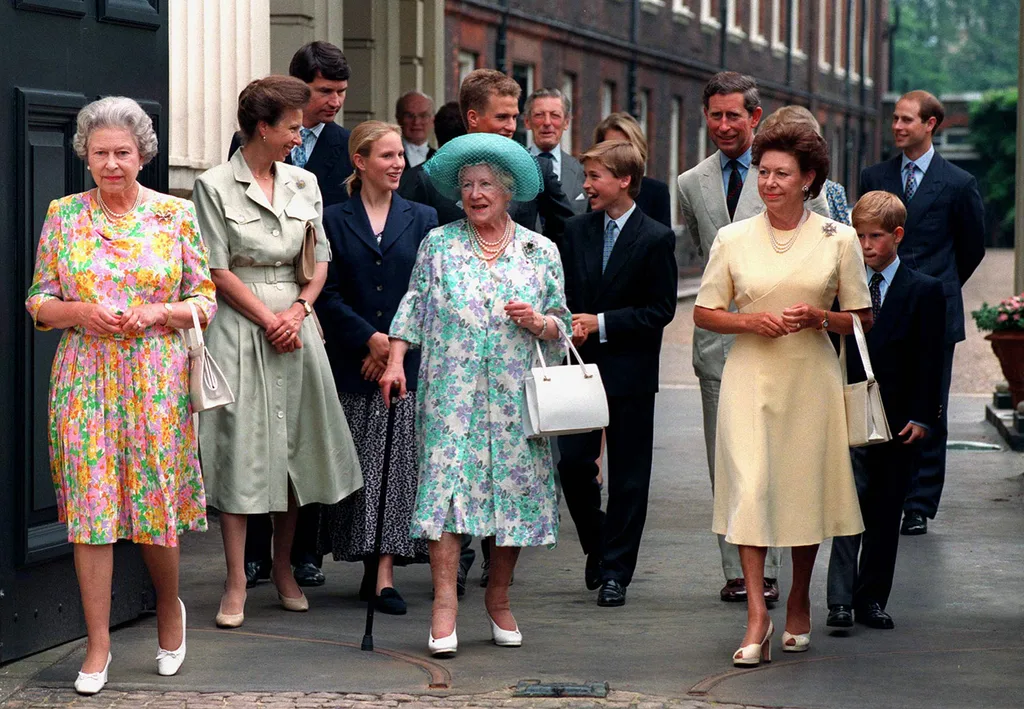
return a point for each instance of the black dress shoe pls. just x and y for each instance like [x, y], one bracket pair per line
[390, 602]
[734, 591]
[612, 594]
[914, 523]
[840, 616]
[308, 575]
[771, 590]
[873, 616]
[256, 571]
[592, 573]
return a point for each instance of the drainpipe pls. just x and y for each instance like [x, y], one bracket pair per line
[789, 42]
[501, 45]
[632, 79]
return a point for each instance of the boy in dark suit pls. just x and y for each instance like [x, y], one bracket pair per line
[906, 349]
[620, 283]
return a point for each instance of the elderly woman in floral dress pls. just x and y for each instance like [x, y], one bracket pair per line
[482, 292]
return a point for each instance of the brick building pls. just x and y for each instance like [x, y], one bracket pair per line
[829, 55]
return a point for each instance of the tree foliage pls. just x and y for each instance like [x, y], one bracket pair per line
[994, 135]
[947, 46]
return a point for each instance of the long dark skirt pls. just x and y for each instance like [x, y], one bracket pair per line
[347, 528]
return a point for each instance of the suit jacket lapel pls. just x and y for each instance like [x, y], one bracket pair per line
[714, 195]
[933, 183]
[623, 246]
[593, 251]
[399, 219]
[892, 176]
[359, 222]
[325, 152]
[750, 203]
[888, 315]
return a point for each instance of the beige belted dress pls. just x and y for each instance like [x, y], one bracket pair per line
[782, 462]
[286, 427]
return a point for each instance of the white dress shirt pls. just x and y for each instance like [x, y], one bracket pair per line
[556, 154]
[415, 154]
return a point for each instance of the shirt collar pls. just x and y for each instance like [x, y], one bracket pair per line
[921, 163]
[621, 221]
[743, 160]
[887, 273]
[556, 153]
[317, 129]
[417, 149]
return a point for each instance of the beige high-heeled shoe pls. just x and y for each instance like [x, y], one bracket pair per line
[755, 653]
[296, 605]
[230, 620]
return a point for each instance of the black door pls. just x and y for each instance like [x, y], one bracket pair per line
[55, 56]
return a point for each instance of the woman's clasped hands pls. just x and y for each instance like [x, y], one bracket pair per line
[101, 320]
[282, 329]
[793, 319]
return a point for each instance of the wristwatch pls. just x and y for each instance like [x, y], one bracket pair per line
[824, 323]
[305, 306]
[170, 312]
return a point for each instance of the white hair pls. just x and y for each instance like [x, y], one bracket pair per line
[116, 112]
[507, 182]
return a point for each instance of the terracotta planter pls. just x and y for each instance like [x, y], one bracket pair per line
[1009, 348]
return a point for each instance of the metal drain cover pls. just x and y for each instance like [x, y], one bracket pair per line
[536, 688]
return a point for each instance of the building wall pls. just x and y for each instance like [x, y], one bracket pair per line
[817, 63]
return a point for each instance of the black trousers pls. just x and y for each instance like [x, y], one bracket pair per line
[926, 486]
[259, 530]
[882, 474]
[615, 534]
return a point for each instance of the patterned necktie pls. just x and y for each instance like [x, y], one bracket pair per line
[611, 232]
[546, 155]
[876, 293]
[910, 186]
[300, 153]
[732, 195]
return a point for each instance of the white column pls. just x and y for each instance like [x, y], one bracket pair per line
[216, 48]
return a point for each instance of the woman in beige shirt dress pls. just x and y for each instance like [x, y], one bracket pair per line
[284, 442]
[782, 461]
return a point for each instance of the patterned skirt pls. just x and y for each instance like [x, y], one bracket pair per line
[347, 528]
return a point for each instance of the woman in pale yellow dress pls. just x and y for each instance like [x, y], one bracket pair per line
[782, 461]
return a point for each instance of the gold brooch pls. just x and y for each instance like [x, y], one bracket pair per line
[300, 184]
[829, 228]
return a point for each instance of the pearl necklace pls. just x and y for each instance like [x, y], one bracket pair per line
[119, 215]
[783, 247]
[487, 250]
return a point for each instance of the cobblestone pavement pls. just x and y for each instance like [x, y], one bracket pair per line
[45, 698]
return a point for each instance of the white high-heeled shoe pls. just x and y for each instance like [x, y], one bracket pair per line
[801, 642]
[92, 682]
[168, 662]
[446, 646]
[505, 638]
[755, 653]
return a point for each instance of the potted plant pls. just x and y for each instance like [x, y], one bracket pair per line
[1006, 323]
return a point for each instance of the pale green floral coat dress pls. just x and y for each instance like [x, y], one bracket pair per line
[478, 472]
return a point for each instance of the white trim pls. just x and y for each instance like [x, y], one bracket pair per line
[735, 30]
[569, 89]
[680, 12]
[707, 19]
[823, 19]
[675, 122]
[652, 6]
[756, 30]
[839, 35]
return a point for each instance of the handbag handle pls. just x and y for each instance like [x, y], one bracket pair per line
[569, 348]
[195, 340]
[862, 348]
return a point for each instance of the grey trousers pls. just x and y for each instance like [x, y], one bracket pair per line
[731, 567]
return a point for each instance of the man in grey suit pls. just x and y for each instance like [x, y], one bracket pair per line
[718, 191]
[546, 114]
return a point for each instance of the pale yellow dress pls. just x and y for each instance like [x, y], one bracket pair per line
[782, 464]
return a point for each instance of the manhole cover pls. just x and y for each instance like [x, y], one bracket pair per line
[975, 446]
[536, 688]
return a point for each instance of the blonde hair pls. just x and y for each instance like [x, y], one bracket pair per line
[882, 208]
[620, 158]
[792, 114]
[624, 123]
[360, 142]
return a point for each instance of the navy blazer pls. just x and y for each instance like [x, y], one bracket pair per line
[366, 282]
[945, 229]
[329, 162]
[905, 345]
[636, 292]
[654, 201]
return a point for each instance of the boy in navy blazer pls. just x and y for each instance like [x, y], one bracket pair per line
[906, 349]
[620, 285]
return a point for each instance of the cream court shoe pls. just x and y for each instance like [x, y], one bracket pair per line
[443, 647]
[505, 638]
[92, 682]
[755, 653]
[230, 620]
[296, 605]
[168, 662]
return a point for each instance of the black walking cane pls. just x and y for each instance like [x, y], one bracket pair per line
[385, 470]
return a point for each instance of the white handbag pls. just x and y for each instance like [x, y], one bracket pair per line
[207, 386]
[562, 400]
[866, 424]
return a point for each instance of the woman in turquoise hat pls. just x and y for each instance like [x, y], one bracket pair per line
[483, 290]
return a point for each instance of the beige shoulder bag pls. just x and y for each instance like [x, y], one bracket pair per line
[866, 423]
[207, 386]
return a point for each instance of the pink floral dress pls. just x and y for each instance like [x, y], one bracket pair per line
[123, 450]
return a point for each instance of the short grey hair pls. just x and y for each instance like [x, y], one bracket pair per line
[400, 103]
[549, 93]
[508, 183]
[116, 112]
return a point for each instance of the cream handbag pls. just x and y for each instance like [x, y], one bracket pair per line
[562, 400]
[207, 386]
[866, 424]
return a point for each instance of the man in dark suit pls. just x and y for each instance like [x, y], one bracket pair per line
[905, 347]
[414, 112]
[945, 233]
[546, 115]
[620, 285]
[489, 101]
[447, 125]
[324, 152]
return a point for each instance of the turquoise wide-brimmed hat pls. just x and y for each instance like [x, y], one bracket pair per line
[484, 148]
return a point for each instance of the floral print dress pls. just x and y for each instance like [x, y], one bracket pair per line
[123, 450]
[479, 474]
